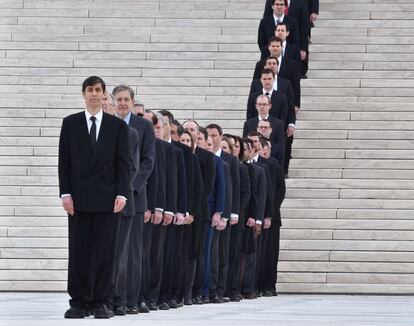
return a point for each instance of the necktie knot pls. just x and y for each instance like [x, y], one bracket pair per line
[93, 119]
[267, 94]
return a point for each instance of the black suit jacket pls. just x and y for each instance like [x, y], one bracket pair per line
[188, 157]
[94, 177]
[157, 181]
[300, 12]
[269, 208]
[129, 209]
[278, 110]
[208, 173]
[292, 52]
[284, 86]
[278, 129]
[171, 177]
[147, 156]
[245, 193]
[289, 70]
[258, 184]
[267, 29]
[181, 182]
[228, 192]
[235, 181]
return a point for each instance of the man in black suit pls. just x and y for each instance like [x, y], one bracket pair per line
[279, 104]
[277, 149]
[277, 132]
[297, 10]
[268, 24]
[94, 184]
[255, 216]
[290, 51]
[216, 134]
[124, 96]
[208, 172]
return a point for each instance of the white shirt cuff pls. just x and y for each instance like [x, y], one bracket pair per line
[119, 196]
[169, 213]
[65, 195]
[291, 125]
[159, 209]
[258, 222]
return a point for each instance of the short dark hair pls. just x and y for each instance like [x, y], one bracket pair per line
[282, 24]
[191, 137]
[266, 71]
[168, 114]
[264, 142]
[254, 134]
[285, 2]
[215, 126]
[121, 88]
[271, 57]
[93, 80]
[247, 141]
[240, 140]
[274, 39]
[203, 131]
[180, 128]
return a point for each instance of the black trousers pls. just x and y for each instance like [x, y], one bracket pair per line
[92, 241]
[272, 257]
[121, 260]
[214, 263]
[156, 261]
[135, 260]
[183, 237]
[224, 260]
[233, 278]
[146, 261]
[248, 271]
[288, 154]
[200, 259]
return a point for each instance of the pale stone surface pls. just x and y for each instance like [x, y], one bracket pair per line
[317, 310]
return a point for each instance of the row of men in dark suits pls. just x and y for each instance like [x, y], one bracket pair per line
[155, 223]
[283, 40]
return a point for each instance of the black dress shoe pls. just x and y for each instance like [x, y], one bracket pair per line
[119, 311]
[143, 308]
[74, 312]
[180, 304]
[102, 312]
[225, 299]
[188, 301]
[152, 306]
[131, 310]
[173, 304]
[163, 306]
[274, 293]
[206, 300]
[198, 300]
[239, 296]
[234, 298]
[267, 293]
[250, 296]
[216, 299]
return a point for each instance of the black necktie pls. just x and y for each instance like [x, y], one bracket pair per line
[268, 94]
[92, 133]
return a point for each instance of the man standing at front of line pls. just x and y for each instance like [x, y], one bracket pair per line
[94, 183]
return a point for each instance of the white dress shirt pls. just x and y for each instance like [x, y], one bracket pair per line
[98, 121]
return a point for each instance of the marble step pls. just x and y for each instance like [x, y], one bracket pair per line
[349, 203]
[351, 164]
[378, 184]
[345, 288]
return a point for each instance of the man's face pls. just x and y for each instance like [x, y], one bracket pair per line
[272, 64]
[173, 132]
[275, 49]
[265, 152]
[281, 32]
[201, 140]
[256, 143]
[166, 127]
[278, 7]
[209, 145]
[107, 105]
[267, 81]
[215, 137]
[94, 96]
[192, 128]
[264, 128]
[262, 106]
[124, 103]
[159, 130]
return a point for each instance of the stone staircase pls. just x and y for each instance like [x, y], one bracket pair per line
[349, 213]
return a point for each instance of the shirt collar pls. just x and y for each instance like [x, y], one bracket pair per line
[98, 116]
[280, 18]
[255, 158]
[265, 118]
[218, 153]
[270, 92]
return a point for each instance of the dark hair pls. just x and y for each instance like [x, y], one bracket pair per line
[240, 140]
[285, 2]
[93, 80]
[263, 142]
[121, 88]
[274, 39]
[227, 140]
[266, 71]
[204, 132]
[166, 113]
[215, 126]
[269, 58]
[283, 24]
[254, 133]
[180, 128]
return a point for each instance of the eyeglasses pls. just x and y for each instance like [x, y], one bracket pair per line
[262, 104]
[263, 127]
[279, 4]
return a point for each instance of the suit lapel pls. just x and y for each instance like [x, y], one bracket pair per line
[102, 137]
[84, 140]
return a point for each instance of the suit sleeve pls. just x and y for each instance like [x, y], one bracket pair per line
[244, 186]
[295, 79]
[268, 11]
[134, 145]
[181, 183]
[269, 206]
[160, 171]
[64, 159]
[261, 195]
[294, 32]
[257, 69]
[284, 108]
[210, 175]
[198, 189]
[314, 7]
[171, 181]
[123, 161]
[152, 186]
[235, 171]
[261, 36]
[304, 25]
[251, 107]
[147, 155]
[220, 187]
